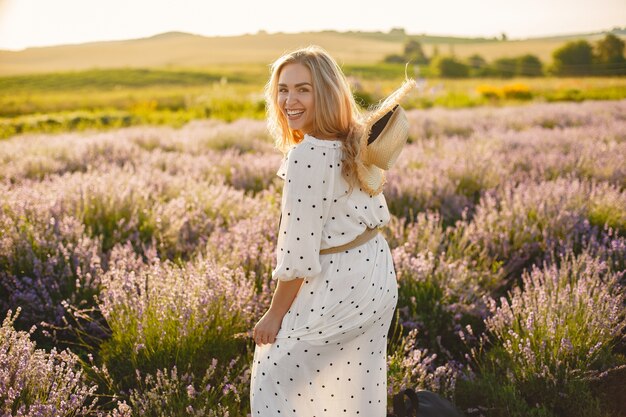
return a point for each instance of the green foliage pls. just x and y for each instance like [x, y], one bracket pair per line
[398, 31]
[427, 302]
[456, 100]
[605, 210]
[477, 66]
[117, 217]
[363, 98]
[573, 59]
[165, 344]
[175, 393]
[499, 396]
[227, 110]
[523, 66]
[379, 72]
[413, 52]
[108, 79]
[162, 315]
[69, 121]
[528, 66]
[395, 59]
[449, 67]
[546, 336]
[505, 67]
[609, 56]
[570, 94]
[77, 101]
[579, 94]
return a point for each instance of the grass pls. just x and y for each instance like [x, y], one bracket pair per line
[102, 99]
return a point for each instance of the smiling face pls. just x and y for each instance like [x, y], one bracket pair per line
[295, 97]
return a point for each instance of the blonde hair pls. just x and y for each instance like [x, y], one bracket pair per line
[336, 113]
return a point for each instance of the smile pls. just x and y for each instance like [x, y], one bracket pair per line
[294, 113]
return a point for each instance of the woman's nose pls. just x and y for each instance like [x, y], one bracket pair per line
[291, 98]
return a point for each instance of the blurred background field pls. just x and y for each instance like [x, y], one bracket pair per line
[143, 86]
[179, 49]
[115, 98]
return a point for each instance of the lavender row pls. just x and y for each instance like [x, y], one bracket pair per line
[150, 249]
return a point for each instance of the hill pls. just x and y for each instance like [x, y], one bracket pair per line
[185, 50]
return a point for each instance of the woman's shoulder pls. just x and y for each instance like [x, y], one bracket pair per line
[313, 148]
[309, 154]
[310, 151]
[315, 141]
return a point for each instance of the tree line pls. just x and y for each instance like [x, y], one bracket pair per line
[575, 58]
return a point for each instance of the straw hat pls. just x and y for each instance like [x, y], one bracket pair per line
[385, 132]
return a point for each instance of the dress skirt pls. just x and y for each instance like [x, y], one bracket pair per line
[330, 355]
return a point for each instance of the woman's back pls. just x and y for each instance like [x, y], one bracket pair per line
[315, 178]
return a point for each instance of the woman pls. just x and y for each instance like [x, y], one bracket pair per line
[321, 347]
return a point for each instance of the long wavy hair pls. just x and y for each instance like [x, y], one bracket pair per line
[336, 113]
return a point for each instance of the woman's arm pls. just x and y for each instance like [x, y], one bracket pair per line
[285, 293]
[268, 326]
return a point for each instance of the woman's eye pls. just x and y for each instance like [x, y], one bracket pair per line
[300, 90]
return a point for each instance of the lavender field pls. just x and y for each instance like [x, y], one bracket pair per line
[134, 262]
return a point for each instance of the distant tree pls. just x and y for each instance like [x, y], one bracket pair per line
[413, 51]
[503, 36]
[477, 65]
[609, 56]
[449, 67]
[528, 66]
[504, 67]
[435, 51]
[397, 31]
[573, 58]
[395, 59]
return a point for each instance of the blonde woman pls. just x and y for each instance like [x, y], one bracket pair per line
[321, 347]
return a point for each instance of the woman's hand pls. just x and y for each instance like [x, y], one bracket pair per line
[267, 328]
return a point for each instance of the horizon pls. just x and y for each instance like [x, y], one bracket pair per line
[72, 22]
[443, 35]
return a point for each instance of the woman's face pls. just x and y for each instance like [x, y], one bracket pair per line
[295, 96]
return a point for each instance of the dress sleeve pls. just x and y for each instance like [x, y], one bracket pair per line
[282, 171]
[307, 193]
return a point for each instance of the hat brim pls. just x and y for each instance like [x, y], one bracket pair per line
[371, 177]
[370, 171]
[379, 126]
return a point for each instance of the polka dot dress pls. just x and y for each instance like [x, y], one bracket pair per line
[329, 357]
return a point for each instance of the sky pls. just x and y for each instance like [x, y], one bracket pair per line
[27, 23]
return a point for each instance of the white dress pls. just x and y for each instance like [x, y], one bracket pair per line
[329, 357]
